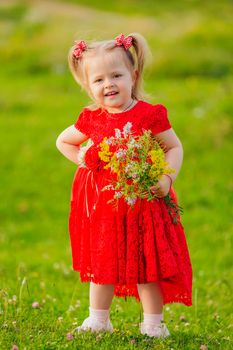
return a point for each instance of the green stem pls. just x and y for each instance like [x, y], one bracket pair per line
[176, 210]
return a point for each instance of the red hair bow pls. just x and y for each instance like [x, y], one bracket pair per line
[79, 48]
[126, 42]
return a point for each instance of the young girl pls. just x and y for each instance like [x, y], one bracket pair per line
[137, 252]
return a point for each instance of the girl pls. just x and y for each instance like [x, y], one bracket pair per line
[135, 252]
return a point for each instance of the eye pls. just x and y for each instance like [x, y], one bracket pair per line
[98, 80]
[117, 75]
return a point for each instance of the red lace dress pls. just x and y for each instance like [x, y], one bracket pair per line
[126, 246]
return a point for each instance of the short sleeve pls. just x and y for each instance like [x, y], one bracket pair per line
[83, 122]
[159, 119]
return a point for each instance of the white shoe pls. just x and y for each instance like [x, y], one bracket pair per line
[93, 325]
[159, 331]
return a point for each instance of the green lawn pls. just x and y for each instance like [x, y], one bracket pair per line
[191, 73]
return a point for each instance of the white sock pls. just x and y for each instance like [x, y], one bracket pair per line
[152, 319]
[100, 315]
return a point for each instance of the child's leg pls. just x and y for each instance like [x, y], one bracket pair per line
[152, 302]
[151, 298]
[100, 301]
[101, 295]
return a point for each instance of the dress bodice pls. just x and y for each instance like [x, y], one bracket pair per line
[97, 124]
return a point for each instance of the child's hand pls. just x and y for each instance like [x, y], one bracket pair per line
[82, 152]
[162, 188]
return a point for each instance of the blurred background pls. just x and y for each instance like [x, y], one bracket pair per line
[190, 73]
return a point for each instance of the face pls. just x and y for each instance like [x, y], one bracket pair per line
[110, 81]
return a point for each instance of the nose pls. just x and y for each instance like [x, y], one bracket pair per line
[108, 83]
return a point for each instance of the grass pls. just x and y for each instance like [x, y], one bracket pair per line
[192, 75]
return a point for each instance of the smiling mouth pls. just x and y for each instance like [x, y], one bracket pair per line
[111, 93]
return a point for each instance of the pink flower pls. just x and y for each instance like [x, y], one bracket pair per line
[35, 305]
[69, 336]
[14, 347]
[98, 337]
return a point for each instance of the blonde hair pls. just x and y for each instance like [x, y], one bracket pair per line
[135, 58]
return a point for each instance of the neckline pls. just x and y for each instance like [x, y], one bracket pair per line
[115, 115]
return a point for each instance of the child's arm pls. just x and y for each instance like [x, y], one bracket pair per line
[174, 150]
[174, 157]
[69, 141]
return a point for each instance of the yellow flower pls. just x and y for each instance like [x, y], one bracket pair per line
[157, 155]
[153, 155]
[114, 164]
[104, 154]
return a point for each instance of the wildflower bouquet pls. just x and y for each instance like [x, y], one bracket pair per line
[138, 162]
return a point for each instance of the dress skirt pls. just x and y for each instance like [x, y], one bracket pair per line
[126, 246]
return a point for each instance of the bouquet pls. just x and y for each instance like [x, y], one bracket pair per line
[138, 162]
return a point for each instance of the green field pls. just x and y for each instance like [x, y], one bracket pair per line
[191, 74]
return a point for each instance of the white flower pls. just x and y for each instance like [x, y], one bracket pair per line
[108, 141]
[131, 201]
[118, 194]
[117, 133]
[120, 153]
[128, 168]
[132, 142]
[108, 187]
[127, 129]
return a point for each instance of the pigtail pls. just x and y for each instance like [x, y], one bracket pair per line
[77, 69]
[75, 66]
[143, 54]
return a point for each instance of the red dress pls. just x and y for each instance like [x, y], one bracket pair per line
[126, 246]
